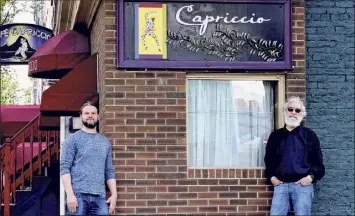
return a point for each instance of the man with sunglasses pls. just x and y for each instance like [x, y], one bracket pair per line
[293, 162]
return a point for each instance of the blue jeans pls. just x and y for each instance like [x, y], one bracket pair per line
[301, 197]
[90, 205]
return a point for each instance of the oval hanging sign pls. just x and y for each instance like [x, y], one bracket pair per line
[18, 42]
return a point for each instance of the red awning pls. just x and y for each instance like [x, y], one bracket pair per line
[18, 113]
[59, 55]
[14, 117]
[67, 95]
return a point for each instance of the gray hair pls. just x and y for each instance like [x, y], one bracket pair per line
[298, 100]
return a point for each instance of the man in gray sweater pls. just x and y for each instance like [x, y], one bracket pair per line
[85, 166]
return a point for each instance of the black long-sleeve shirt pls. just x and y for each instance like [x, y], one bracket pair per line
[312, 155]
[294, 164]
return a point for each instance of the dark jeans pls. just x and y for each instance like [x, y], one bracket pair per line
[90, 205]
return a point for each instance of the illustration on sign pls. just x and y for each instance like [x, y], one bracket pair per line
[228, 44]
[18, 42]
[225, 33]
[151, 31]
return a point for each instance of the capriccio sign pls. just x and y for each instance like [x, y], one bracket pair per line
[203, 23]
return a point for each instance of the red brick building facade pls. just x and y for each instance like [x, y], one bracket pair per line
[144, 113]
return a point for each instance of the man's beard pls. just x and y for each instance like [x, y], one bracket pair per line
[89, 124]
[293, 122]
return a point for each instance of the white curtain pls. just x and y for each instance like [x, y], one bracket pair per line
[227, 123]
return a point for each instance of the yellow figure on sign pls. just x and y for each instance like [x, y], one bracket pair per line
[149, 29]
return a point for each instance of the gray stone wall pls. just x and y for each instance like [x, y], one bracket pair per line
[330, 100]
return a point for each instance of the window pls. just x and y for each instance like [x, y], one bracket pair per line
[230, 120]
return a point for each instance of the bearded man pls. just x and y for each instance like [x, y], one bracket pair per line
[293, 161]
[85, 166]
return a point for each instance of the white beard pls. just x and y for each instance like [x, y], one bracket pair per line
[293, 122]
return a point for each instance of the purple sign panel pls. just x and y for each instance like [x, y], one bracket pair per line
[18, 42]
[213, 34]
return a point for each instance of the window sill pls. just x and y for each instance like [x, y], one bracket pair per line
[226, 173]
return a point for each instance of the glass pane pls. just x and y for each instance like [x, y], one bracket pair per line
[229, 122]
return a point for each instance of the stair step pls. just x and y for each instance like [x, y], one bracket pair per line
[45, 189]
[27, 201]
[12, 208]
[11, 204]
[22, 195]
[24, 190]
[40, 182]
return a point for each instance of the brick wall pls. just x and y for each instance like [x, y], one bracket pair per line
[295, 79]
[97, 42]
[330, 99]
[145, 118]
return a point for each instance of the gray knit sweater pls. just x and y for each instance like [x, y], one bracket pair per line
[88, 159]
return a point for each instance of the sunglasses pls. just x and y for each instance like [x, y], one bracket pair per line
[290, 109]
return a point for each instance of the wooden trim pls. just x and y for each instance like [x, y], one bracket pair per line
[239, 76]
[68, 13]
[227, 167]
[62, 13]
[92, 12]
[74, 8]
[279, 99]
[281, 92]
[57, 15]
[86, 12]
